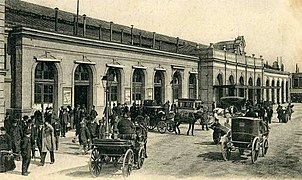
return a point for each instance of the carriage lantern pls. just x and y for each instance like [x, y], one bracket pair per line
[106, 82]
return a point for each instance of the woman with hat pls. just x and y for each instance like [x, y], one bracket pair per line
[6, 159]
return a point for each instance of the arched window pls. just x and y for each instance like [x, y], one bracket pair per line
[219, 92]
[82, 73]
[278, 91]
[241, 90]
[251, 90]
[219, 79]
[138, 86]
[258, 91]
[232, 88]
[192, 86]
[273, 91]
[176, 85]
[44, 83]
[267, 90]
[282, 92]
[115, 85]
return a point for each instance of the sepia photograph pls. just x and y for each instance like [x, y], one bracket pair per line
[150, 89]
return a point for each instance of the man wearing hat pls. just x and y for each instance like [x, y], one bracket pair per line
[16, 134]
[26, 150]
[64, 119]
[6, 159]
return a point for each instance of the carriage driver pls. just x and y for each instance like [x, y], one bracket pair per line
[126, 128]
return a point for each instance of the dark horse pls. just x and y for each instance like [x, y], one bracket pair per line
[185, 117]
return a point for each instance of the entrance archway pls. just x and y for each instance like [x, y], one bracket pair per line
[83, 86]
[159, 87]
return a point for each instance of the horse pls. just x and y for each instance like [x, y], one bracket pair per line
[185, 117]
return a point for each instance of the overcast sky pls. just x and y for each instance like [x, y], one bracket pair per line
[272, 28]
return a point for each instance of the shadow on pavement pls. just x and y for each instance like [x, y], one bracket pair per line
[207, 143]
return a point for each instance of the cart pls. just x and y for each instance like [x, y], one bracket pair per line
[127, 153]
[246, 134]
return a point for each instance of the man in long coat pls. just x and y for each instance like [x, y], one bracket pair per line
[46, 142]
[64, 119]
[6, 159]
[16, 133]
[26, 150]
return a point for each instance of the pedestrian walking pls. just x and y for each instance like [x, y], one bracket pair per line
[16, 134]
[93, 113]
[57, 129]
[6, 158]
[47, 143]
[64, 119]
[26, 151]
[84, 137]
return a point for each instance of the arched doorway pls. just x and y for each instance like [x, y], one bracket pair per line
[278, 92]
[159, 87]
[251, 90]
[46, 88]
[273, 91]
[241, 90]
[138, 86]
[232, 88]
[83, 86]
[282, 92]
[267, 90]
[258, 91]
[219, 93]
[115, 85]
[176, 86]
[192, 86]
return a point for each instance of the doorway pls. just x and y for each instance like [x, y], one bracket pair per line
[81, 94]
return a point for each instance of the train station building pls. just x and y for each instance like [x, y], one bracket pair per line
[52, 58]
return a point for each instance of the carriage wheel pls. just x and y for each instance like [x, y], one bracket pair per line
[95, 163]
[264, 147]
[170, 127]
[150, 125]
[140, 158]
[128, 163]
[255, 150]
[225, 150]
[161, 126]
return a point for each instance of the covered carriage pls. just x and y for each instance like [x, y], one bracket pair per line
[246, 134]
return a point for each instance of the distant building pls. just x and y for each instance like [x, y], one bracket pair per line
[52, 58]
[296, 90]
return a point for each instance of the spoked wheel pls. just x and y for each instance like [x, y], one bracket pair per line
[170, 127]
[264, 147]
[150, 125]
[255, 150]
[140, 157]
[161, 126]
[128, 163]
[225, 150]
[95, 163]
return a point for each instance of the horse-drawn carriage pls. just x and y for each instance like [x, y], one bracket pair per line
[246, 134]
[157, 117]
[129, 152]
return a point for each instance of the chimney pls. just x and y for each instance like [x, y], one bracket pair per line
[297, 68]
[153, 44]
[140, 39]
[131, 31]
[211, 45]
[84, 25]
[110, 26]
[177, 44]
[74, 25]
[56, 19]
[122, 35]
[100, 32]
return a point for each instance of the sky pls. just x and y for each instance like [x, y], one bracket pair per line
[271, 28]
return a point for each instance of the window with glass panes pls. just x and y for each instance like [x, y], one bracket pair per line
[176, 85]
[138, 86]
[44, 83]
[82, 73]
[192, 86]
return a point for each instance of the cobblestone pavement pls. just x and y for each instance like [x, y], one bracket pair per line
[186, 157]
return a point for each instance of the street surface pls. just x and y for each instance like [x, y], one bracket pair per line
[173, 156]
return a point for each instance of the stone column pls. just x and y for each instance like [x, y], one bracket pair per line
[2, 53]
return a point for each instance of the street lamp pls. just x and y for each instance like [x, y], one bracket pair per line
[106, 82]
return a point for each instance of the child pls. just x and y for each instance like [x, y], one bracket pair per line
[84, 137]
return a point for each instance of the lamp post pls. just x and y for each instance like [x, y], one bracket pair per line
[106, 82]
